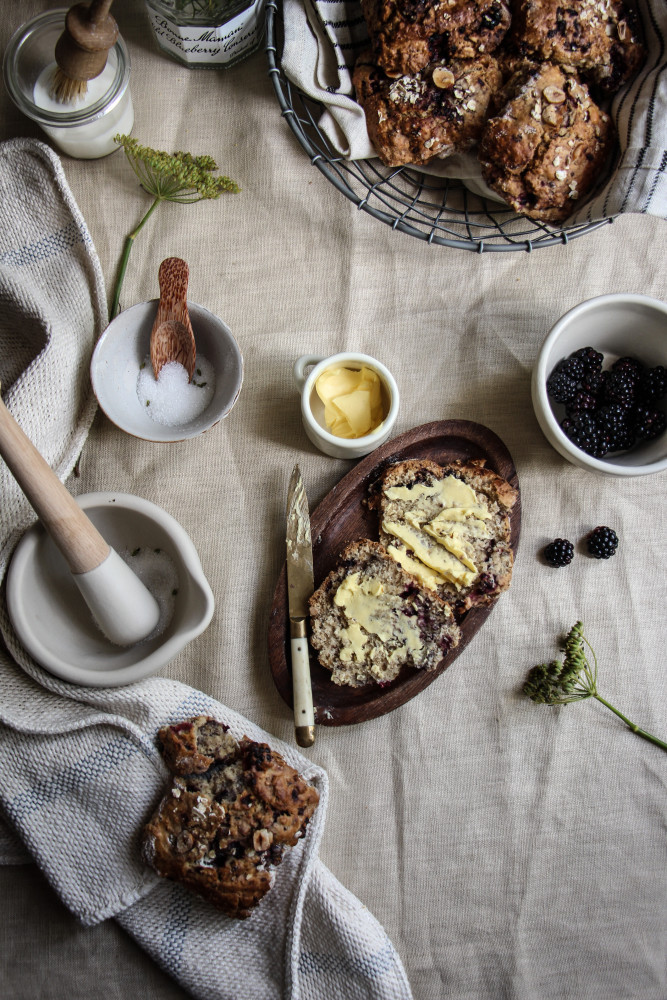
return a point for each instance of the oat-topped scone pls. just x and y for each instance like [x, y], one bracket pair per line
[370, 619]
[548, 146]
[439, 111]
[407, 35]
[229, 815]
[449, 526]
[600, 39]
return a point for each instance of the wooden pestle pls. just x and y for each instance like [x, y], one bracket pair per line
[123, 608]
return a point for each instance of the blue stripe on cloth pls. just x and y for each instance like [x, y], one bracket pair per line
[50, 246]
[370, 967]
[73, 776]
[175, 930]
[196, 703]
[659, 176]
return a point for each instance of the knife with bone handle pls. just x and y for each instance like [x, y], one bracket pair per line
[300, 586]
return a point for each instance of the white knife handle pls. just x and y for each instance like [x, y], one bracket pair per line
[302, 695]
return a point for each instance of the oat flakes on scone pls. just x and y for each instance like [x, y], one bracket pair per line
[407, 35]
[548, 146]
[434, 113]
[599, 39]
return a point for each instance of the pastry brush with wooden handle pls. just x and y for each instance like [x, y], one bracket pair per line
[82, 49]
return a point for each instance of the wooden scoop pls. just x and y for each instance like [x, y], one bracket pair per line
[172, 338]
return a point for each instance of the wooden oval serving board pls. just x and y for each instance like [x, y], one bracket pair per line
[343, 517]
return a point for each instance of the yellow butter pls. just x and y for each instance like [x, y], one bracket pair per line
[352, 401]
[436, 557]
[427, 577]
[371, 611]
[447, 492]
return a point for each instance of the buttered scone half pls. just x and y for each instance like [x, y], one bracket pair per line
[370, 618]
[449, 527]
[434, 113]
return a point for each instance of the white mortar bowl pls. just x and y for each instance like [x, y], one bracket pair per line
[619, 326]
[124, 346]
[53, 622]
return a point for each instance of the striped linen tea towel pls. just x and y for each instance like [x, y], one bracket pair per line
[79, 770]
[324, 37]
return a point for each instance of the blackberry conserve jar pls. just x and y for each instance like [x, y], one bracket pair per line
[207, 34]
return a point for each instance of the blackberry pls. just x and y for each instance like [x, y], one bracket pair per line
[612, 418]
[630, 366]
[594, 382]
[620, 387]
[602, 542]
[560, 552]
[649, 424]
[583, 431]
[560, 387]
[582, 402]
[652, 385]
[573, 367]
[591, 358]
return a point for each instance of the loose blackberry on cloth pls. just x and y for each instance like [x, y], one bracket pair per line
[323, 40]
[80, 772]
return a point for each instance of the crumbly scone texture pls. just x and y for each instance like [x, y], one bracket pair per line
[433, 113]
[487, 544]
[548, 146]
[407, 35]
[401, 624]
[600, 39]
[221, 829]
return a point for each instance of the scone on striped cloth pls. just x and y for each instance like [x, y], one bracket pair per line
[369, 619]
[449, 526]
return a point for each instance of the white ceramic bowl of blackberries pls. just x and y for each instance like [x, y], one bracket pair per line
[599, 387]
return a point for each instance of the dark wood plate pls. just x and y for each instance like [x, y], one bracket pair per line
[343, 517]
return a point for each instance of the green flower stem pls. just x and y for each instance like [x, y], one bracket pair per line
[631, 725]
[129, 243]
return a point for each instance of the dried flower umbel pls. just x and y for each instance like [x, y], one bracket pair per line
[573, 679]
[179, 177]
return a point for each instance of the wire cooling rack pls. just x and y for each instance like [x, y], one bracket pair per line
[432, 209]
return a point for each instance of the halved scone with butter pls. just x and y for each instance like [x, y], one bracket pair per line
[449, 527]
[370, 618]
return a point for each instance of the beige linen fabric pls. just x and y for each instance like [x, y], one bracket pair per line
[509, 850]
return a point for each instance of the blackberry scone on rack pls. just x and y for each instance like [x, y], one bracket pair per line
[232, 810]
[431, 114]
[548, 146]
[449, 526]
[370, 619]
[407, 35]
[599, 39]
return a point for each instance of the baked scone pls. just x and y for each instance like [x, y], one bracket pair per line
[548, 146]
[407, 36]
[599, 39]
[231, 811]
[370, 619]
[449, 526]
[434, 113]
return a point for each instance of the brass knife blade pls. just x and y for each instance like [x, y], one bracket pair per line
[300, 586]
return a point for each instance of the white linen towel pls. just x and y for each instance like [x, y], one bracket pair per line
[79, 770]
[323, 38]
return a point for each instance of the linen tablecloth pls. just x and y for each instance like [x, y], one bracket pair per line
[508, 849]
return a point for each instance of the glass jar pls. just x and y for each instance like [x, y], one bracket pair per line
[84, 129]
[207, 34]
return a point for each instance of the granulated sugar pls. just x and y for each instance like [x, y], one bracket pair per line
[157, 571]
[172, 400]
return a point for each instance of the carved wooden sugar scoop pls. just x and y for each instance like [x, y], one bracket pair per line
[172, 337]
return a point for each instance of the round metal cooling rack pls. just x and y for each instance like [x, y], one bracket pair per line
[435, 210]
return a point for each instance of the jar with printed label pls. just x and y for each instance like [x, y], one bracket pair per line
[207, 34]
